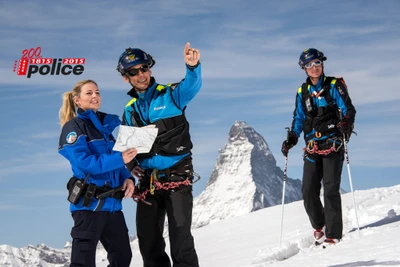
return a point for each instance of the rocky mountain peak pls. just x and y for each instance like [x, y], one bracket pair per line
[245, 178]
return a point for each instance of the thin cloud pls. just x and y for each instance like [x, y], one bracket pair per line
[45, 135]
[12, 207]
[208, 122]
[37, 193]
[30, 164]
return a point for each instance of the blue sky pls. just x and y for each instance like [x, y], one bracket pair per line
[249, 53]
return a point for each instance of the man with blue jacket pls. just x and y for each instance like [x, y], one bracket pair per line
[169, 163]
[325, 113]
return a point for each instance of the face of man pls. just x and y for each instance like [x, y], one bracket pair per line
[139, 77]
[314, 68]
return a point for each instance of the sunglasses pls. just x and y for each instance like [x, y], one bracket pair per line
[134, 72]
[311, 64]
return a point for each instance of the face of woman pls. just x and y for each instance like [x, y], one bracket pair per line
[89, 97]
[314, 68]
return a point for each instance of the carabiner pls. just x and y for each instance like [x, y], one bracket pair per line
[153, 177]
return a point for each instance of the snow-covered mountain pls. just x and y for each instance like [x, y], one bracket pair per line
[43, 256]
[34, 256]
[245, 179]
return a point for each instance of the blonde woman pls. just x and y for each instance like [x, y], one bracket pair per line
[100, 179]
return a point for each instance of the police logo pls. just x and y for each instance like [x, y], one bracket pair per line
[71, 137]
[130, 58]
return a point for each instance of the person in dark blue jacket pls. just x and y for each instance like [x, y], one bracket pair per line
[165, 174]
[325, 113]
[100, 179]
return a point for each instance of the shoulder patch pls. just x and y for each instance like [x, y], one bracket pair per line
[71, 137]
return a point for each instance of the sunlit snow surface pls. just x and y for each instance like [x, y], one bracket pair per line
[253, 239]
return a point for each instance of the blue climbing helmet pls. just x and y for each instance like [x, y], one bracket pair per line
[132, 57]
[309, 55]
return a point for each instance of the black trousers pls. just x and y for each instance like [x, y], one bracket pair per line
[177, 205]
[107, 227]
[327, 169]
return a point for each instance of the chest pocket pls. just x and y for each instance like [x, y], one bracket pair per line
[96, 141]
[98, 146]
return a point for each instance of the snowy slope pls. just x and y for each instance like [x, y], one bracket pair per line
[253, 239]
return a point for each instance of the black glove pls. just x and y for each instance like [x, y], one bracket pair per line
[345, 126]
[290, 142]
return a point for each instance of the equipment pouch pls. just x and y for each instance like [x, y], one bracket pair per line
[309, 106]
[75, 188]
[91, 190]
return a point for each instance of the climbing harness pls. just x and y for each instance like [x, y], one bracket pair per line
[312, 147]
[155, 184]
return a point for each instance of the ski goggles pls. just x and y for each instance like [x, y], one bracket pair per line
[134, 72]
[311, 64]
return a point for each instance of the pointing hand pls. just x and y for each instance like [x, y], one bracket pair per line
[191, 55]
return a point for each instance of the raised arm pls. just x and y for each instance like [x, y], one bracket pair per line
[188, 88]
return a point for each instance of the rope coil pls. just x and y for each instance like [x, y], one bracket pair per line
[156, 185]
[312, 147]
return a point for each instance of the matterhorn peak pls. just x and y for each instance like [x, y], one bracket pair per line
[245, 179]
[244, 132]
[240, 130]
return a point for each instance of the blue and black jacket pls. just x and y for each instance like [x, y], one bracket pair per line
[317, 115]
[87, 142]
[163, 105]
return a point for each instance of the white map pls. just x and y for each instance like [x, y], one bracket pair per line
[141, 138]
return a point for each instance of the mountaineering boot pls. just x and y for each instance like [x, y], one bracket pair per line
[319, 236]
[330, 242]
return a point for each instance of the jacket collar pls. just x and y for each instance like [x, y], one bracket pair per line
[145, 95]
[320, 81]
[105, 123]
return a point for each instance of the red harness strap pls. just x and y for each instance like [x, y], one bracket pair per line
[156, 185]
[312, 148]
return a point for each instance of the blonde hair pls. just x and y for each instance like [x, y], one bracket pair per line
[68, 108]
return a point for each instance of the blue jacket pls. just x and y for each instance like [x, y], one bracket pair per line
[87, 142]
[161, 102]
[339, 96]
